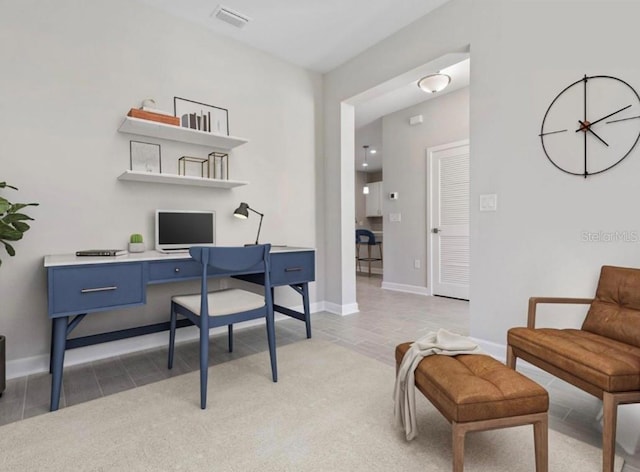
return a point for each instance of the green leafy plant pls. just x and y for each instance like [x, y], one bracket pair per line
[12, 223]
[135, 238]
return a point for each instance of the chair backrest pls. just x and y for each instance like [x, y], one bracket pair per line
[615, 312]
[365, 233]
[234, 261]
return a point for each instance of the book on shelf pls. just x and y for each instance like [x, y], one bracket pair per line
[159, 117]
[101, 252]
[156, 111]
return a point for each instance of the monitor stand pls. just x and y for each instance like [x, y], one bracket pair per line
[174, 251]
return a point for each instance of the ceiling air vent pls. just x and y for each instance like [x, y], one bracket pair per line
[229, 16]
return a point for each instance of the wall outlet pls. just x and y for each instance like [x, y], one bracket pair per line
[416, 264]
[395, 217]
[489, 202]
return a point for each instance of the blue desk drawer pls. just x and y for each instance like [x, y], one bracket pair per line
[174, 270]
[292, 267]
[95, 288]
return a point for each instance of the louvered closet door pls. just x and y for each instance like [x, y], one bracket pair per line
[450, 220]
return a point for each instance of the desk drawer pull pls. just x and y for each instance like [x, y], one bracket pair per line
[98, 289]
[176, 270]
[293, 269]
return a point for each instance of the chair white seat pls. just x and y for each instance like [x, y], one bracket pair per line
[222, 302]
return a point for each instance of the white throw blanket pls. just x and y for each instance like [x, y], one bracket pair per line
[443, 342]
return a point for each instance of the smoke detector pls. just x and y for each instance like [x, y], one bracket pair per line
[234, 18]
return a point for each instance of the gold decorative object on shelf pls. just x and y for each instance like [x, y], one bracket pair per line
[193, 166]
[219, 163]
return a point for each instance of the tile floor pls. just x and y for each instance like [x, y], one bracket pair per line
[386, 318]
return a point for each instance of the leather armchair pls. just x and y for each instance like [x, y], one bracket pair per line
[602, 358]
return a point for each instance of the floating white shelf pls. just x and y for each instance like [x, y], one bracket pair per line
[176, 133]
[151, 177]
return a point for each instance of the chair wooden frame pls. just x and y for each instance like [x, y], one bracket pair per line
[221, 261]
[610, 400]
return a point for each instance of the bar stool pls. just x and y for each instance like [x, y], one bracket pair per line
[364, 236]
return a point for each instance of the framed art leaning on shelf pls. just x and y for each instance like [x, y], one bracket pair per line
[145, 157]
[200, 116]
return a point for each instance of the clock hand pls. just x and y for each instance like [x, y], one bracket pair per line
[555, 132]
[623, 119]
[603, 118]
[587, 127]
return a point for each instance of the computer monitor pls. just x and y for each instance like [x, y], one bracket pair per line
[178, 230]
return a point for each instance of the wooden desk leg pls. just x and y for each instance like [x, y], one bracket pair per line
[57, 363]
[307, 311]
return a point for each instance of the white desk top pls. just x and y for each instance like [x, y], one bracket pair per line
[71, 259]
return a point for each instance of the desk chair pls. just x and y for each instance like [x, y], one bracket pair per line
[225, 307]
[364, 236]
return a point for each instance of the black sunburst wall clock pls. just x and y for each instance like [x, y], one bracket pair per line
[592, 125]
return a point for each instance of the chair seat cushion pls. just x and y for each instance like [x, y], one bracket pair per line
[608, 364]
[222, 302]
[473, 387]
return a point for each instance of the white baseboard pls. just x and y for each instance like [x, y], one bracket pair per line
[37, 364]
[341, 310]
[499, 351]
[406, 288]
[495, 350]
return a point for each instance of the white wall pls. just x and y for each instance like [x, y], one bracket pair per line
[532, 245]
[523, 53]
[447, 29]
[71, 71]
[446, 120]
[359, 200]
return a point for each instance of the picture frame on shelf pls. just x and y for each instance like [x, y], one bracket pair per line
[145, 157]
[201, 116]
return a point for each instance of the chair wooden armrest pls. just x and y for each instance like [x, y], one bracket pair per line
[534, 301]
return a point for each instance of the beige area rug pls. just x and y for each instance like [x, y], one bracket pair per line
[330, 411]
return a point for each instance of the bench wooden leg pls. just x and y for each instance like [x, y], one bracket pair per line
[458, 434]
[541, 444]
[540, 424]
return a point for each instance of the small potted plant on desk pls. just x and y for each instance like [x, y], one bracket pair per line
[12, 227]
[136, 243]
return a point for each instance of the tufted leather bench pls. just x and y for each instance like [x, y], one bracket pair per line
[477, 393]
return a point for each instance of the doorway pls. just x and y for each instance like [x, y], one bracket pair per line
[448, 207]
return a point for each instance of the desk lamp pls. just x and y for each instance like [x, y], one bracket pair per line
[242, 212]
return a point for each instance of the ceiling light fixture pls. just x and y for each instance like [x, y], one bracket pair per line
[365, 147]
[434, 83]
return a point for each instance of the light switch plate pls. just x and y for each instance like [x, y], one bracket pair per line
[489, 202]
[395, 217]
